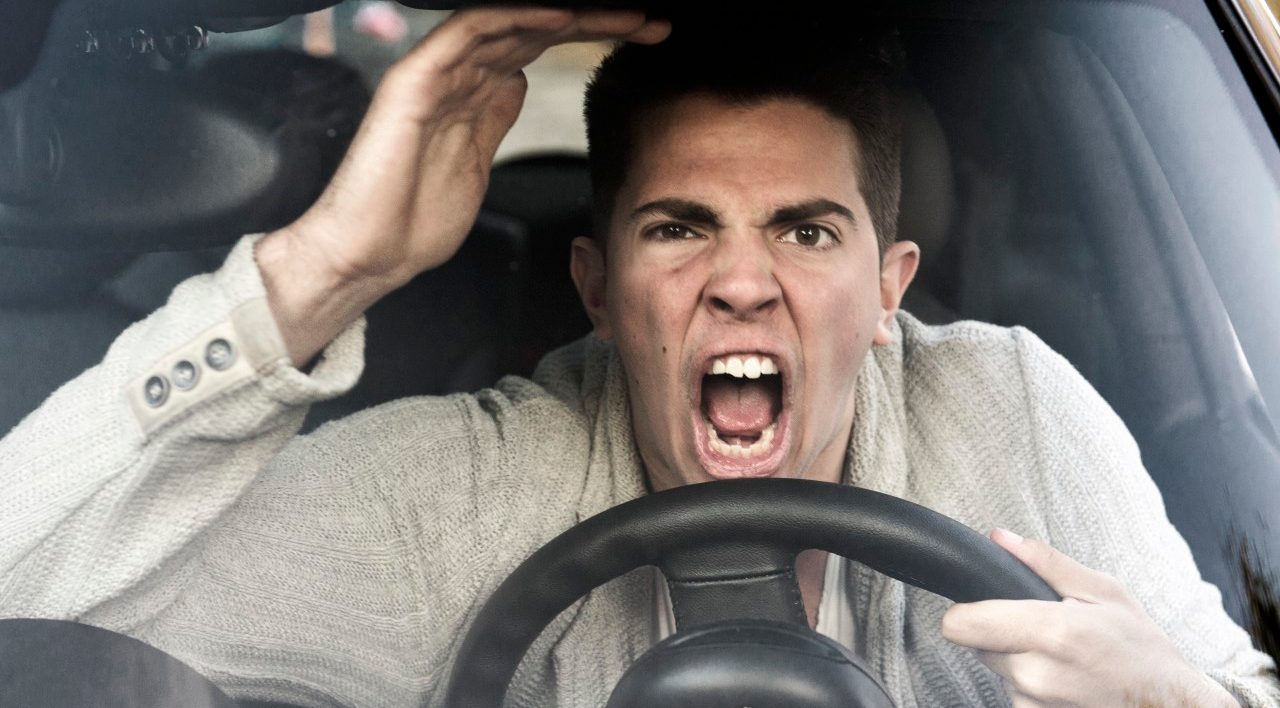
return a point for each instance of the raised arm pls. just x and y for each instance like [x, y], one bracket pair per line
[112, 482]
[406, 196]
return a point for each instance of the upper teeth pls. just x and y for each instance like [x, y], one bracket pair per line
[738, 366]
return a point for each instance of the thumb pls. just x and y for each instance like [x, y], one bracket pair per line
[1065, 575]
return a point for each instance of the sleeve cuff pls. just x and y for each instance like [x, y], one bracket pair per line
[242, 345]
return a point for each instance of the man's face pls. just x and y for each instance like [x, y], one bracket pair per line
[743, 287]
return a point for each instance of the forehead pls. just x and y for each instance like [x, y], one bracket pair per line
[780, 148]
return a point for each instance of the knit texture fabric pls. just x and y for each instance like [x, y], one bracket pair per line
[344, 567]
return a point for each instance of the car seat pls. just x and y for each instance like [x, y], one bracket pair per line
[1056, 229]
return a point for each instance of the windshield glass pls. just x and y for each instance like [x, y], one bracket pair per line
[1102, 175]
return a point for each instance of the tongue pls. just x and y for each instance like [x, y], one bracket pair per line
[738, 406]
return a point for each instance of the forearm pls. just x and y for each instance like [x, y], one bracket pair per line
[408, 191]
[312, 299]
[104, 487]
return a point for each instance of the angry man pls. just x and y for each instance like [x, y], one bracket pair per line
[744, 284]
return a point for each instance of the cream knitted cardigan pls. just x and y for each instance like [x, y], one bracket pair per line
[343, 567]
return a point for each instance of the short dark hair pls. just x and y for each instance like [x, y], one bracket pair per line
[851, 74]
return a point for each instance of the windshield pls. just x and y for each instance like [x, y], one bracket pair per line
[1105, 175]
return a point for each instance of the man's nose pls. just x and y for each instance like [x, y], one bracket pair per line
[742, 285]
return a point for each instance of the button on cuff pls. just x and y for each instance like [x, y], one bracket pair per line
[219, 355]
[155, 391]
[185, 375]
[210, 363]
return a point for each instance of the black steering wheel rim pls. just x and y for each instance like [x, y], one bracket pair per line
[742, 531]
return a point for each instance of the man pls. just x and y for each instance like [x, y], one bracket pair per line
[744, 291]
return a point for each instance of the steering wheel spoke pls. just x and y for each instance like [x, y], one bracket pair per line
[727, 579]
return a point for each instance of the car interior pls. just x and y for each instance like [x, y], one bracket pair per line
[1102, 173]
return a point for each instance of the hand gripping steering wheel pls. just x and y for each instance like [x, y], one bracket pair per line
[728, 552]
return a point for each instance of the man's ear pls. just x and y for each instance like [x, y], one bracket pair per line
[897, 268]
[586, 265]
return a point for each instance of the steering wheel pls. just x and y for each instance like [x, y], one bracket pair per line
[728, 552]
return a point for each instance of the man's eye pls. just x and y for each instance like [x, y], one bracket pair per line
[810, 236]
[673, 232]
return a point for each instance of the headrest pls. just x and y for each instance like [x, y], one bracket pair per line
[928, 187]
[551, 192]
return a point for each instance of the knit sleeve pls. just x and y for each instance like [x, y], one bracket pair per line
[109, 482]
[349, 570]
[1104, 510]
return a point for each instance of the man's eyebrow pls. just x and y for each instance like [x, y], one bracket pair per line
[811, 209]
[679, 210]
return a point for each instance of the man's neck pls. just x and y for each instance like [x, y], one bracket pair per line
[811, 570]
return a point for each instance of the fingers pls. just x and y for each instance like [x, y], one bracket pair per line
[1022, 625]
[651, 32]
[1005, 626]
[507, 39]
[1066, 576]
[630, 26]
[1030, 679]
[1095, 647]
[457, 37]
[510, 51]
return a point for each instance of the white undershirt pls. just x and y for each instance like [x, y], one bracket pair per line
[835, 615]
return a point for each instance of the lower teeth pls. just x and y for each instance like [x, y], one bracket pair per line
[755, 448]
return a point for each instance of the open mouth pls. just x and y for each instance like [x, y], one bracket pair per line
[741, 417]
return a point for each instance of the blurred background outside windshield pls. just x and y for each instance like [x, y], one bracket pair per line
[370, 35]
